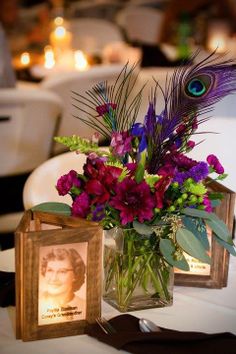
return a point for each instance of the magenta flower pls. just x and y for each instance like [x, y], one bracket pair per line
[190, 145]
[98, 192]
[105, 108]
[81, 205]
[134, 200]
[121, 143]
[215, 164]
[207, 204]
[66, 182]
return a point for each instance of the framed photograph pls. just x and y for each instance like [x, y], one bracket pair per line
[216, 274]
[58, 275]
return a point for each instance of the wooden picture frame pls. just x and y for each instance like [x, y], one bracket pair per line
[216, 274]
[42, 239]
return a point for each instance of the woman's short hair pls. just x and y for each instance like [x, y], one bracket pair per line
[77, 263]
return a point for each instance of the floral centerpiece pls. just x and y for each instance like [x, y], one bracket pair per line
[153, 200]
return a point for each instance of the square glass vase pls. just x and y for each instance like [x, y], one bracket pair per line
[136, 276]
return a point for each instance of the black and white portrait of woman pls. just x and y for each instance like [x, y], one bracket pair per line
[62, 283]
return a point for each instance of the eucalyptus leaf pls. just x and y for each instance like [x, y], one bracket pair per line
[230, 248]
[53, 207]
[191, 245]
[215, 203]
[220, 229]
[196, 213]
[167, 249]
[142, 229]
[198, 227]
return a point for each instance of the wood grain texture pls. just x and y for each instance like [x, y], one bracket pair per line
[30, 238]
[220, 257]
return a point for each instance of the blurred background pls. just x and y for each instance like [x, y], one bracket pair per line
[49, 48]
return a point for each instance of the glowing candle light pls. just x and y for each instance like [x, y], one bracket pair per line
[81, 62]
[58, 21]
[25, 59]
[49, 57]
[218, 36]
[60, 40]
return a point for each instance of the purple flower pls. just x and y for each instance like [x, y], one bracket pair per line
[81, 205]
[134, 200]
[98, 213]
[121, 143]
[66, 182]
[215, 164]
[199, 172]
[180, 177]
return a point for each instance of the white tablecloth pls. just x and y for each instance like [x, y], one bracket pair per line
[197, 309]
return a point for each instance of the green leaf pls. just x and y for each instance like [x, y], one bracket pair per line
[142, 229]
[219, 228]
[230, 248]
[139, 173]
[196, 213]
[53, 207]
[191, 245]
[215, 203]
[167, 249]
[198, 227]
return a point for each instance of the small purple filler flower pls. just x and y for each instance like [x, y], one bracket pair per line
[199, 172]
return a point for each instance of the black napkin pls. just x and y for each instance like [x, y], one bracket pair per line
[131, 339]
[7, 289]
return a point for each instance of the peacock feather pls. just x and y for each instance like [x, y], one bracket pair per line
[189, 96]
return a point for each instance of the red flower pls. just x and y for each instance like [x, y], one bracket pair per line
[81, 205]
[98, 192]
[66, 182]
[161, 186]
[134, 200]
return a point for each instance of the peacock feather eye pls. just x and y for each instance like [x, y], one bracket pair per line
[198, 86]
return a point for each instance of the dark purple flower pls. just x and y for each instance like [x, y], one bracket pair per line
[182, 161]
[199, 172]
[134, 200]
[81, 205]
[215, 164]
[98, 213]
[66, 182]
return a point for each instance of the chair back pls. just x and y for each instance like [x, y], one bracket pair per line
[141, 24]
[28, 119]
[37, 192]
[92, 34]
[79, 82]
